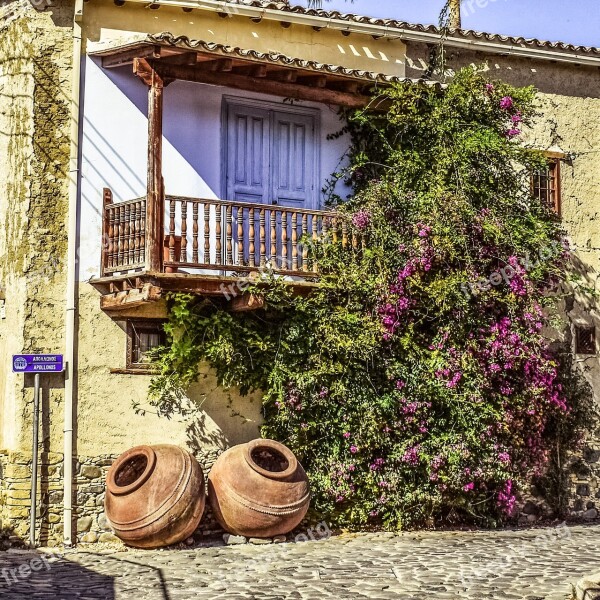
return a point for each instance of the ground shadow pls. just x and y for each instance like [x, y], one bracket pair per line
[52, 575]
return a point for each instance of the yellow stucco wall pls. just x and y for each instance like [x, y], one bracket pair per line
[104, 23]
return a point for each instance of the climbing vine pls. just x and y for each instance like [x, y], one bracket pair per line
[416, 383]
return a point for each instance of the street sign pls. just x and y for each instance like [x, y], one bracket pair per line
[38, 363]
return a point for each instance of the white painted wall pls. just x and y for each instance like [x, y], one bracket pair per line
[114, 145]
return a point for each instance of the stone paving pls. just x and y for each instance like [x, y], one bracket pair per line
[536, 564]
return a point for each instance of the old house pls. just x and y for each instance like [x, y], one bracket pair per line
[181, 145]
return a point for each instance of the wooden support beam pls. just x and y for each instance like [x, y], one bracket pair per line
[277, 88]
[220, 65]
[128, 56]
[183, 58]
[350, 86]
[155, 204]
[129, 299]
[317, 80]
[246, 303]
[251, 70]
[107, 200]
[287, 75]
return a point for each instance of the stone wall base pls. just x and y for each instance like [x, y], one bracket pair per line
[90, 522]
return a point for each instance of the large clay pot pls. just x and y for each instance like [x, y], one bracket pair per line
[155, 496]
[258, 489]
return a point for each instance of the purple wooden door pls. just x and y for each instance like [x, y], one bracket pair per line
[248, 154]
[293, 160]
[271, 158]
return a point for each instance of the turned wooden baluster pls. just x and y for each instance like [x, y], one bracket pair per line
[134, 244]
[240, 228]
[183, 257]
[126, 235]
[273, 258]
[263, 246]
[195, 209]
[284, 241]
[120, 259]
[219, 233]
[334, 227]
[131, 259]
[206, 233]
[314, 223]
[251, 244]
[143, 231]
[229, 234]
[112, 242]
[344, 234]
[294, 241]
[172, 231]
[304, 243]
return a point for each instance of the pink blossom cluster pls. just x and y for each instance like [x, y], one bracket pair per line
[361, 219]
[412, 456]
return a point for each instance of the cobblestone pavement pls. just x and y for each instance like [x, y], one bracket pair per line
[536, 564]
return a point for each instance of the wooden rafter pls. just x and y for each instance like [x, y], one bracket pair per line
[307, 87]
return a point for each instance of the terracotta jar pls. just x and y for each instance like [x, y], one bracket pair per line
[258, 489]
[155, 496]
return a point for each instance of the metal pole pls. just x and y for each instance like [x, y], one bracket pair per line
[34, 468]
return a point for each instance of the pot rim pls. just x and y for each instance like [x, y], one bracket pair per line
[111, 482]
[277, 447]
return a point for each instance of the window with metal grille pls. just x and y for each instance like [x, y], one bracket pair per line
[545, 185]
[585, 340]
[142, 338]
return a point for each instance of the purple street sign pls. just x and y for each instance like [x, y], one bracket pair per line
[38, 363]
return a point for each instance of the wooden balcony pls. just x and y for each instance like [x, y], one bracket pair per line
[208, 246]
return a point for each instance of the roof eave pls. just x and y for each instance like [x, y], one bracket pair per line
[380, 31]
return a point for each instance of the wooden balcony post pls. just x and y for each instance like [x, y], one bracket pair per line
[155, 205]
[107, 232]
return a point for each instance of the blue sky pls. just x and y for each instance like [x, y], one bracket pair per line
[575, 21]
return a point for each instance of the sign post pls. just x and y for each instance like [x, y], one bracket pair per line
[36, 364]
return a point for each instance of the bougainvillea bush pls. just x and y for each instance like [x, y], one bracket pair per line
[416, 382]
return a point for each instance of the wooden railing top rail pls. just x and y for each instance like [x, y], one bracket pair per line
[113, 204]
[288, 209]
[300, 211]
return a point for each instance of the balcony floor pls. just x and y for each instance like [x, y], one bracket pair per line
[143, 294]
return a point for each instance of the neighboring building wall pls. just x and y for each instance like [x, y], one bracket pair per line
[35, 72]
[569, 103]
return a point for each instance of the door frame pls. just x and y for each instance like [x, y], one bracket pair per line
[271, 105]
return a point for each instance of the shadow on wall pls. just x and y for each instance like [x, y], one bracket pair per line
[218, 422]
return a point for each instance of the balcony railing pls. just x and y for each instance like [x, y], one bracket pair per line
[221, 237]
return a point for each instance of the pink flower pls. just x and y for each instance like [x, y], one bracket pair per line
[361, 219]
[377, 464]
[353, 449]
[469, 487]
[411, 456]
[347, 434]
[506, 103]
[504, 457]
[400, 384]
[512, 133]
[489, 87]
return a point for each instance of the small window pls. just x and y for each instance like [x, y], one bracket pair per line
[545, 185]
[585, 340]
[142, 338]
